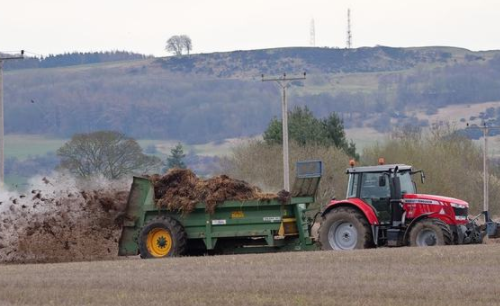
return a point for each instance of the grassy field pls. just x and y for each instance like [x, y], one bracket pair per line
[454, 275]
[24, 146]
[365, 137]
[452, 114]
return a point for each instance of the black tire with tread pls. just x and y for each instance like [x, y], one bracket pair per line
[351, 215]
[179, 236]
[442, 230]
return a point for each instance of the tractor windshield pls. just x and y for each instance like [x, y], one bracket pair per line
[370, 185]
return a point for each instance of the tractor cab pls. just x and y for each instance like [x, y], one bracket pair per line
[373, 185]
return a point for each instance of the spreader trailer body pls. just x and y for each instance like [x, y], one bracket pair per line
[252, 226]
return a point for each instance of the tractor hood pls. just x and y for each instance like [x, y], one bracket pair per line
[430, 197]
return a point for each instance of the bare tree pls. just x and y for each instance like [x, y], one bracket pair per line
[187, 43]
[175, 45]
[178, 43]
[107, 153]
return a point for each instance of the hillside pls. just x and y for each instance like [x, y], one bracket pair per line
[70, 59]
[211, 97]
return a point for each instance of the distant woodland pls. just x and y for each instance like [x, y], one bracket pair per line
[72, 59]
[211, 97]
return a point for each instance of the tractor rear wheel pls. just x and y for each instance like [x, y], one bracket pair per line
[162, 237]
[344, 228]
[430, 232]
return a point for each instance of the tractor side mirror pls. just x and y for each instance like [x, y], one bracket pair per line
[422, 177]
[381, 181]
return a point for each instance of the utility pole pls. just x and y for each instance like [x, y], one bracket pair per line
[486, 130]
[283, 83]
[2, 132]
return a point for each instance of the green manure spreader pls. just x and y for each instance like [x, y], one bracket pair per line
[252, 226]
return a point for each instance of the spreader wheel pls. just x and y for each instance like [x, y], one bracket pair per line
[162, 237]
[430, 232]
[344, 228]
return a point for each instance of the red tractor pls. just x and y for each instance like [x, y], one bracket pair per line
[383, 208]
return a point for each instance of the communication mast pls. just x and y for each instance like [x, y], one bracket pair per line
[349, 33]
[312, 39]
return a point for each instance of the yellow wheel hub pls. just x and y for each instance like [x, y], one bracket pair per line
[159, 242]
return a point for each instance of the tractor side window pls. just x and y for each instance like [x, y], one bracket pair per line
[371, 189]
[352, 189]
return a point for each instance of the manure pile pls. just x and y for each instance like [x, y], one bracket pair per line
[60, 224]
[181, 190]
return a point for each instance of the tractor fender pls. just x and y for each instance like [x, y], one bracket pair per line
[367, 211]
[357, 204]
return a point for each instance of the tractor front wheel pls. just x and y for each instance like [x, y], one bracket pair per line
[430, 232]
[162, 237]
[344, 228]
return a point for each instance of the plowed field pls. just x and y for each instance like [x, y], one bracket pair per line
[453, 275]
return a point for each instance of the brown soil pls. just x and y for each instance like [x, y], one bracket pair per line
[61, 226]
[181, 190]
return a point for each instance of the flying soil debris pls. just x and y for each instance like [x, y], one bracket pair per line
[58, 224]
[61, 225]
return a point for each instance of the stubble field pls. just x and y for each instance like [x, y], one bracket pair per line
[453, 275]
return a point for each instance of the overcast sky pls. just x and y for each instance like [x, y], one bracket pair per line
[57, 26]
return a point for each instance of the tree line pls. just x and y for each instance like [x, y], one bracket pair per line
[72, 59]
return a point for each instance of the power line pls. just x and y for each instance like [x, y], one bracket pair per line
[2, 130]
[283, 83]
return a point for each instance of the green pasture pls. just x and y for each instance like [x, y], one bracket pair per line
[25, 146]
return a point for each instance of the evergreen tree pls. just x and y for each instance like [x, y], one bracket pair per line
[176, 157]
[305, 129]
